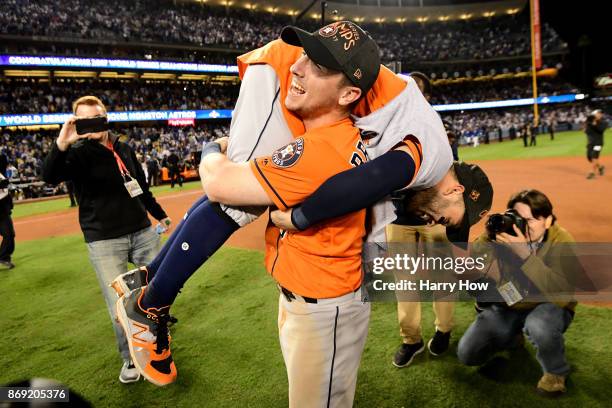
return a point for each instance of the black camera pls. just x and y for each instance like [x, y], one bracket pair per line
[91, 125]
[498, 223]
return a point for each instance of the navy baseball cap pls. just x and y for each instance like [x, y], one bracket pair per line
[342, 46]
[477, 197]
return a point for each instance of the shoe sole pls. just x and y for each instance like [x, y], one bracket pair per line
[122, 381]
[550, 394]
[431, 352]
[419, 351]
[122, 317]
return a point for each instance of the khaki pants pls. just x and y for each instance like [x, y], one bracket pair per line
[322, 345]
[409, 313]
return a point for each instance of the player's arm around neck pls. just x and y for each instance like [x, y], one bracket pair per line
[230, 183]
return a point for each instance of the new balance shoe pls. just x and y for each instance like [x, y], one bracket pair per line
[130, 280]
[590, 176]
[6, 265]
[148, 338]
[438, 344]
[129, 373]
[602, 170]
[405, 354]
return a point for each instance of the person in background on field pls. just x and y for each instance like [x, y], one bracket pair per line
[7, 232]
[595, 127]
[114, 200]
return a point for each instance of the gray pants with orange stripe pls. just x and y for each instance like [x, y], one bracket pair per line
[322, 345]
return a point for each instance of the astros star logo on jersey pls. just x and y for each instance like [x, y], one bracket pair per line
[289, 155]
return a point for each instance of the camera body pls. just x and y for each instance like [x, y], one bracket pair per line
[498, 223]
[91, 125]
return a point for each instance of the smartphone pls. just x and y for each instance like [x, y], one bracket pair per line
[91, 125]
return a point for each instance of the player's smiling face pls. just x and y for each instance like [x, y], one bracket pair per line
[314, 90]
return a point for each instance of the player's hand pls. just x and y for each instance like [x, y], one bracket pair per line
[68, 135]
[282, 219]
[223, 141]
[518, 244]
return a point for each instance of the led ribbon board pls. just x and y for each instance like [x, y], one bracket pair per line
[138, 116]
[134, 116]
[103, 63]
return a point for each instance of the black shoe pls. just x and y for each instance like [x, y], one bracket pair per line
[602, 170]
[6, 265]
[405, 354]
[439, 343]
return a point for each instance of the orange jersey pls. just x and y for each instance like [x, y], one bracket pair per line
[323, 261]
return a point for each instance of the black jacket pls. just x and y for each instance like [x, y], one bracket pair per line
[595, 132]
[106, 210]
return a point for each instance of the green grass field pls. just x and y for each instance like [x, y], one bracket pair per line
[43, 207]
[565, 144]
[55, 325]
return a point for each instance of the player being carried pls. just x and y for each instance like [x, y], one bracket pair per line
[283, 94]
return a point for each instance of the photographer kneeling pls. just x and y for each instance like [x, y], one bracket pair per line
[114, 199]
[531, 268]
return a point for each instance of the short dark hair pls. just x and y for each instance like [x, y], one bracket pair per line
[537, 201]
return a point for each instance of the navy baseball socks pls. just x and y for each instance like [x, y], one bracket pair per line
[136, 278]
[202, 233]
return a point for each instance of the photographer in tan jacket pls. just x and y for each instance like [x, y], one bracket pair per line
[532, 271]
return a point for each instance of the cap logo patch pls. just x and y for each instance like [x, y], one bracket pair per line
[329, 30]
[289, 155]
[474, 195]
[357, 74]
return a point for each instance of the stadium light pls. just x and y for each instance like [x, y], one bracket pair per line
[422, 19]
[512, 11]
[488, 13]
[443, 18]
[465, 16]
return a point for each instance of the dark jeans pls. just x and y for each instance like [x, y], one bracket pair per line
[8, 237]
[175, 176]
[496, 328]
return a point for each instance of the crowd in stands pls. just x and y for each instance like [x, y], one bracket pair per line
[495, 90]
[479, 126]
[26, 151]
[32, 96]
[166, 22]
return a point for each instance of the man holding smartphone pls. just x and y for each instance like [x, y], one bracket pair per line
[113, 197]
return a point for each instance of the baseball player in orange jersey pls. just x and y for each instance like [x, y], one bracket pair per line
[322, 335]
[261, 62]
